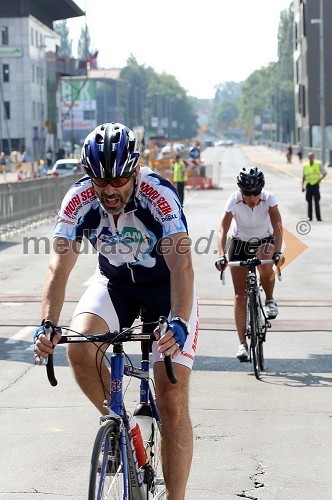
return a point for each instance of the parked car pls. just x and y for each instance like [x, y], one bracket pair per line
[66, 166]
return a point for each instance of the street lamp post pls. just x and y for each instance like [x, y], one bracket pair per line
[320, 21]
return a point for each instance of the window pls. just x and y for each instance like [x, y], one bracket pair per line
[33, 110]
[89, 114]
[33, 73]
[5, 72]
[32, 34]
[36, 39]
[4, 35]
[7, 110]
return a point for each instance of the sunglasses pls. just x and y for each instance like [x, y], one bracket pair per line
[251, 193]
[117, 182]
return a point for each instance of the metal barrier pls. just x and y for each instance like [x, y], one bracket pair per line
[19, 200]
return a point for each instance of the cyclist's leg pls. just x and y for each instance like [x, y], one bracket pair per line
[98, 310]
[177, 440]
[266, 274]
[239, 250]
[239, 275]
[172, 402]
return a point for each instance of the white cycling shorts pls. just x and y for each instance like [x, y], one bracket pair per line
[119, 305]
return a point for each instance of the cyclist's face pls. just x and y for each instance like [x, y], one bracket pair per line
[114, 199]
[252, 198]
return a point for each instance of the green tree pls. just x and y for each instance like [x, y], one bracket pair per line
[226, 105]
[153, 95]
[61, 28]
[83, 45]
[267, 95]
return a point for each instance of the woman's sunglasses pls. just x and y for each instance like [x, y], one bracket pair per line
[117, 182]
[251, 193]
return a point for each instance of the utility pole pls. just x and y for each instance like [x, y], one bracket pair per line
[320, 21]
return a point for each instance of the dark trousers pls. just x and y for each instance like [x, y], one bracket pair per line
[180, 190]
[312, 192]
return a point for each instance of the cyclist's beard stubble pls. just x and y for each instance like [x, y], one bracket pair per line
[114, 203]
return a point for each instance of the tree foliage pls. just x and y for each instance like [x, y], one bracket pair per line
[83, 45]
[267, 96]
[61, 28]
[158, 98]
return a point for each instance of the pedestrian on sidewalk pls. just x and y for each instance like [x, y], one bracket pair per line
[253, 218]
[299, 151]
[3, 165]
[313, 174]
[289, 153]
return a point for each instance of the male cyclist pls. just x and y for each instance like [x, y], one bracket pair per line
[134, 219]
[253, 216]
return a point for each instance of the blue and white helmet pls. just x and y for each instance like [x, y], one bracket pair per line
[110, 151]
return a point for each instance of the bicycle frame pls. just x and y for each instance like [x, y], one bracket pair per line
[135, 478]
[117, 408]
[255, 326]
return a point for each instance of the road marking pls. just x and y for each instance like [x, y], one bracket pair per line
[24, 333]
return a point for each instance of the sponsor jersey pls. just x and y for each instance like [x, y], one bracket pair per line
[129, 250]
[250, 223]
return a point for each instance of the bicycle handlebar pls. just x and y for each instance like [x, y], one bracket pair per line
[248, 263]
[126, 335]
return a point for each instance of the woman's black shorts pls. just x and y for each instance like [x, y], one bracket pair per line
[243, 250]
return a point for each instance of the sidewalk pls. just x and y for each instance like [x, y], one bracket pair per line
[8, 177]
[263, 156]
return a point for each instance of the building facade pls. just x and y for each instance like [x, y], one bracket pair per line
[30, 74]
[313, 73]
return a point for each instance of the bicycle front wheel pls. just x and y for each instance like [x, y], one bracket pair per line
[156, 486]
[107, 480]
[256, 347]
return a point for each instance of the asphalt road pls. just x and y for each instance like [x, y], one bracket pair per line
[265, 440]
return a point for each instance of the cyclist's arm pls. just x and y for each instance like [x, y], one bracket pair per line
[61, 262]
[177, 254]
[276, 222]
[225, 224]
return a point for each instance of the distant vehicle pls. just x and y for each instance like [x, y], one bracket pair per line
[220, 143]
[208, 144]
[229, 143]
[66, 166]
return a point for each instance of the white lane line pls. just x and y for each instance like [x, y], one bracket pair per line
[25, 333]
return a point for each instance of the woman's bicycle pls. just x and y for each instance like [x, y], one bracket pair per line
[125, 462]
[257, 322]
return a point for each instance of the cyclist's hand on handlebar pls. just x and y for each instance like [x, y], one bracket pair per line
[43, 346]
[171, 344]
[278, 259]
[221, 263]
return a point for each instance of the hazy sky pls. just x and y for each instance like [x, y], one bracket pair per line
[201, 44]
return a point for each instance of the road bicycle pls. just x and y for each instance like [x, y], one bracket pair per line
[257, 322]
[125, 461]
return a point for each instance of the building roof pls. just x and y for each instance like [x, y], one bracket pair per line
[112, 73]
[43, 10]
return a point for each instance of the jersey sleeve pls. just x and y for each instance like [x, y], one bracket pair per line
[160, 197]
[271, 200]
[75, 215]
[230, 203]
